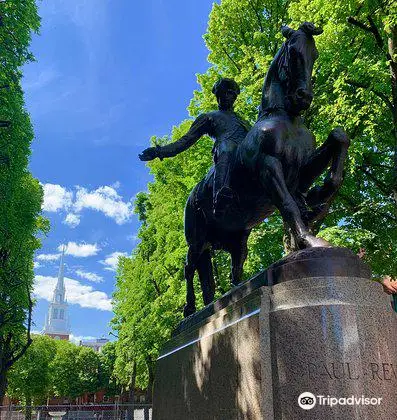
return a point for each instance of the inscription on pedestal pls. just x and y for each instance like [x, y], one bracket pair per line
[350, 371]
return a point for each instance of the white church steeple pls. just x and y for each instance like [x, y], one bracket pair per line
[57, 321]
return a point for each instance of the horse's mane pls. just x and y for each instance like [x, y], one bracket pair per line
[273, 93]
[276, 80]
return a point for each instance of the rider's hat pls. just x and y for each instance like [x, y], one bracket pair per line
[223, 84]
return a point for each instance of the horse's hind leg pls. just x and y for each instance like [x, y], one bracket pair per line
[206, 276]
[190, 267]
[333, 150]
[239, 252]
[273, 176]
[195, 233]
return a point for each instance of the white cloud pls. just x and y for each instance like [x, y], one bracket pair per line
[106, 200]
[36, 264]
[56, 198]
[111, 260]
[44, 78]
[76, 293]
[132, 238]
[72, 220]
[89, 276]
[80, 250]
[48, 257]
[116, 185]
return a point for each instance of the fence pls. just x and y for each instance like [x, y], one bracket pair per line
[78, 412]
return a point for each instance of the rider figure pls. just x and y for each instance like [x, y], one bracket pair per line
[226, 128]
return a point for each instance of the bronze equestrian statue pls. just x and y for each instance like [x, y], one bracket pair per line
[273, 168]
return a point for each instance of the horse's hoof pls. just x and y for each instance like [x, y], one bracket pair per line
[188, 310]
[235, 283]
[310, 241]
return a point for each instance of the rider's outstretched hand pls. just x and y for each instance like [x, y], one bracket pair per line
[148, 154]
[389, 285]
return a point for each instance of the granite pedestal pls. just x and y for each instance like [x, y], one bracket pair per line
[313, 322]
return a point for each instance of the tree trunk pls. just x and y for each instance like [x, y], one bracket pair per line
[149, 390]
[131, 394]
[3, 385]
[28, 408]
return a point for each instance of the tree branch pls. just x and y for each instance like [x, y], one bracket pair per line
[156, 286]
[380, 95]
[356, 207]
[231, 59]
[28, 336]
[171, 274]
[372, 29]
[375, 32]
[257, 15]
[355, 22]
[381, 185]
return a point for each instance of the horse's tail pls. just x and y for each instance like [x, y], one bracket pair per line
[195, 219]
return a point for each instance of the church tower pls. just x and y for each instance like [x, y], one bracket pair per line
[57, 320]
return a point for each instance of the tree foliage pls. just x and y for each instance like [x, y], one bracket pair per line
[20, 193]
[60, 368]
[107, 378]
[354, 88]
[30, 379]
[76, 370]
[66, 371]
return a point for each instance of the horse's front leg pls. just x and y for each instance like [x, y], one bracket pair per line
[273, 181]
[332, 153]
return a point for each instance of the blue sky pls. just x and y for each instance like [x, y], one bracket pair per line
[109, 74]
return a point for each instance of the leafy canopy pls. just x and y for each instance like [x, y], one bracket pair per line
[353, 88]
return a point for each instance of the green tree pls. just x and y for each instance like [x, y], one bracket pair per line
[29, 380]
[356, 87]
[77, 370]
[354, 82]
[88, 370]
[20, 193]
[108, 380]
[65, 371]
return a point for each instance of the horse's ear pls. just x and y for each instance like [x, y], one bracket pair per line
[287, 31]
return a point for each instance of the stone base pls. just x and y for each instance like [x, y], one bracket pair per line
[313, 322]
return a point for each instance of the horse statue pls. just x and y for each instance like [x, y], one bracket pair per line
[274, 168]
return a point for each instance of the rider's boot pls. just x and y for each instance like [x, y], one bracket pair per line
[223, 200]
[223, 194]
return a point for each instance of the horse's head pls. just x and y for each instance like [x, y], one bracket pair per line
[288, 83]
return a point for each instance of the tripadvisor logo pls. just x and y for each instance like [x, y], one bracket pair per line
[307, 400]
